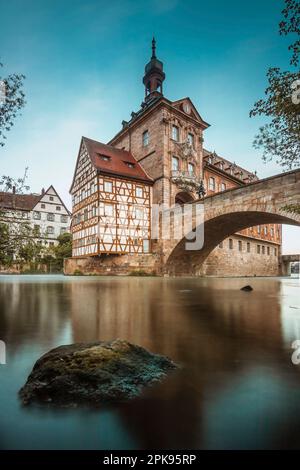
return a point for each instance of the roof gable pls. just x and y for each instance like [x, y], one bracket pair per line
[109, 159]
[51, 191]
[186, 106]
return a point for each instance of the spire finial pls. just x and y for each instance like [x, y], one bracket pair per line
[153, 48]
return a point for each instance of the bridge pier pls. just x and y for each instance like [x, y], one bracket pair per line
[285, 268]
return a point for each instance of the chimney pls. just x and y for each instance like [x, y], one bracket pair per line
[14, 190]
[43, 191]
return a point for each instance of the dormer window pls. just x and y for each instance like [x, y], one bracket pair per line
[129, 164]
[221, 164]
[175, 133]
[105, 158]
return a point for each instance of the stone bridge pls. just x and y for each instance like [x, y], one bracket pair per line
[285, 263]
[226, 213]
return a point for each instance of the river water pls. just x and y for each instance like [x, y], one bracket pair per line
[237, 387]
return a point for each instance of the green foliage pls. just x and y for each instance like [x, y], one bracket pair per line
[77, 272]
[291, 25]
[293, 208]
[12, 100]
[54, 257]
[279, 139]
[6, 252]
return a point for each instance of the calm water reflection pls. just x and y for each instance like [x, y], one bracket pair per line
[237, 387]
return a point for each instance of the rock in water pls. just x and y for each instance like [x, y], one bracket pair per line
[247, 288]
[93, 373]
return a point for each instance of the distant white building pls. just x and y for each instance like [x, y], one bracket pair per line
[45, 212]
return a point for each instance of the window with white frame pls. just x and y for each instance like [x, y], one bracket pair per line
[146, 246]
[175, 163]
[175, 133]
[50, 230]
[108, 186]
[63, 230]
[37, 215]
[108, 210]
[139, 191]
[64, 218]
[191, 169]
[212, 184]
[223, 187]
[145, 138]
[139, 213]
[50, 217]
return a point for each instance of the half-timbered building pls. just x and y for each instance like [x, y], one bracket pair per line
[111, 196]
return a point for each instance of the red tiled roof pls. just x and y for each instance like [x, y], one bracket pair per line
[24, 202]
[118, 160]
[217, 159]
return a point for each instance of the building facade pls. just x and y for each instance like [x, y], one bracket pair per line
[164, 142]
[45, 213]
[111, 196]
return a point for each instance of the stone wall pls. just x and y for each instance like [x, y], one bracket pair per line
[223, 261]
[112, 265]
[226, 261]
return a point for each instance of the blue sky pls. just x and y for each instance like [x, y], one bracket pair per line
[84, 62]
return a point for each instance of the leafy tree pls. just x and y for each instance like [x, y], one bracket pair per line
[61, 251]
[12, 100]
[7, 183]
[291, 24]
[12, 234]
[280, 137]
[6, 252]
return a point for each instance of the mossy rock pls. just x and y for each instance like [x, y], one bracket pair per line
[93, 373]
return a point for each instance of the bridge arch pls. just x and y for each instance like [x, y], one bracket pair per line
[225, 214]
